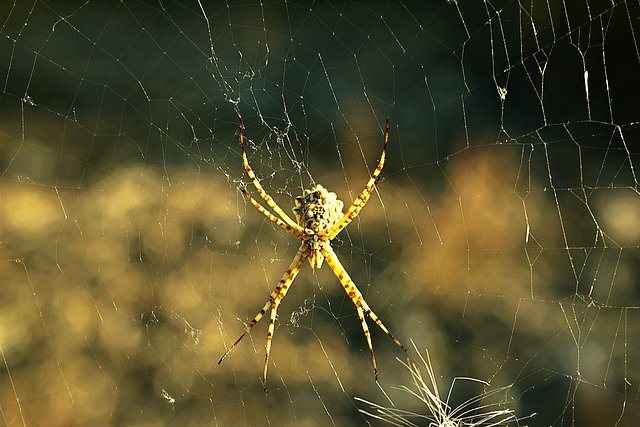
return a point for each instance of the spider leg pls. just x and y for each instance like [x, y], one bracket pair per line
[272, 203]
[274, 301]
[363, 197]
[271, 216]
[358, 300]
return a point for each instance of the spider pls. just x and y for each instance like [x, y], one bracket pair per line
[319, 219]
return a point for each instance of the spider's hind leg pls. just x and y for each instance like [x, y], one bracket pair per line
[364, 196]
[256, 183]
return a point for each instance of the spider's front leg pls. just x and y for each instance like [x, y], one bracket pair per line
[274, 301]
[358, 300]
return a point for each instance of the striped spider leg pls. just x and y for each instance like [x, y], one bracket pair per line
[319, 219]
[363, 197]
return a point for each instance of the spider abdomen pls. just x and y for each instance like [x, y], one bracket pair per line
[318, 209]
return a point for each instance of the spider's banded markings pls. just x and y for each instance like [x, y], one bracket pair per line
[319, 219]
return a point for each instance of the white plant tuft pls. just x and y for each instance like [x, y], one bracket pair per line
[439, 413]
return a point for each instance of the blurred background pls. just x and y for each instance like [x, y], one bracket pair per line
[503, 237]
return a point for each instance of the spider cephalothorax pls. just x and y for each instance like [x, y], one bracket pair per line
[317, 210]
[319, 220]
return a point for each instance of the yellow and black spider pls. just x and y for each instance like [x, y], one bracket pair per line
[319, 220]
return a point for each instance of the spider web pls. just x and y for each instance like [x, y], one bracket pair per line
[503, 236]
